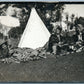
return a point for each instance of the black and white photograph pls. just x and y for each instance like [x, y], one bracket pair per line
[42, 41]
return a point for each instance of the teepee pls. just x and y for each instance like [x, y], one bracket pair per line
[35, 34]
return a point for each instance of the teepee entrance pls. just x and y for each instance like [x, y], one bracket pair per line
[35, 34]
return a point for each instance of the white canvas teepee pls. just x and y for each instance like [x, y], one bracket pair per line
[35, 34]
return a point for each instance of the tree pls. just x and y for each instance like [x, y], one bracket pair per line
[53, 10]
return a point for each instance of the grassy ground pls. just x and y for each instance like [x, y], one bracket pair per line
[69, 68]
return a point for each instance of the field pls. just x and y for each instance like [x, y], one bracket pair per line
[69, 68]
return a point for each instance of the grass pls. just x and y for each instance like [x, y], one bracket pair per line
[69, 68]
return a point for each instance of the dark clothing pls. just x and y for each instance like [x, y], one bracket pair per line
[4, 51]
[83, 36]
[53, 39]
[75, 38]
[77, 32]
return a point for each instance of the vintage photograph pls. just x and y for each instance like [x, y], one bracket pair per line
[41, 42]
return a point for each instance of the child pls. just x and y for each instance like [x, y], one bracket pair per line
[53, 43]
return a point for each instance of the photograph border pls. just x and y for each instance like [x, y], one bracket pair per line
[50, 1]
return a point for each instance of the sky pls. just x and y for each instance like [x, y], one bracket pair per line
[77, 9]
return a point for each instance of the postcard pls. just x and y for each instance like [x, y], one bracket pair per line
[41, 41]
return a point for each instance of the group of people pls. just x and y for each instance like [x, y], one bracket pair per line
[65, 41]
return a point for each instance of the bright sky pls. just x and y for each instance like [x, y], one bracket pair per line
[77, 9]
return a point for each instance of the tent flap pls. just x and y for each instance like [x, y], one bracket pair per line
[35, 34]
